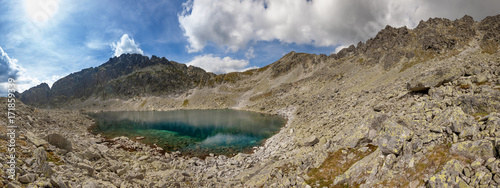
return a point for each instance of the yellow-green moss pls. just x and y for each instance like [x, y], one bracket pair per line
[420, 57]
[489, 47]
[185, 103]
[51, 157]
[260, 96]
[144, 103]
[333, 167]
[263, 68]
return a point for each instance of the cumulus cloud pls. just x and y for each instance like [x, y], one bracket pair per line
[249, 54]
[234, 24]
[126, 45]
[8, 67]
[219, 65]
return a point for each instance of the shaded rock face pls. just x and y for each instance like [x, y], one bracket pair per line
[37, 96]
[434, 36]
[434, 78]
[126, 76]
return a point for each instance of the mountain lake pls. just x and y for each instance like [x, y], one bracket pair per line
[191, 132]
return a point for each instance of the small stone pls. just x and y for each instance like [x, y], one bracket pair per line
[27, 178]
[84, 166]
[496, 177]
[144, 157]
[467, 172]
[122, 171]
[476, 179]
[485, 180]
[134, 175]
[462, 183]
[90, 184]
[13, 185]
[139, 137]
[389, 161]
[311, 141]
[475, 165]
[57, 182]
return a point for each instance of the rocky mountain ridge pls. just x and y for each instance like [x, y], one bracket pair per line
[408, 108]
[127, 76]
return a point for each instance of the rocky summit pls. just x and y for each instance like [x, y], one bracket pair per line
[408, 108]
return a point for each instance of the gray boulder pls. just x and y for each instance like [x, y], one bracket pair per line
[40, 164]
[393, 137]
[434, 78]
[311, 141]
[57, 182]
[27, 178]
[60, 142]
[454, 118]
[474, 149]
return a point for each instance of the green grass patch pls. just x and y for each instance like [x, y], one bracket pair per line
[263, 68]
[185, 103]
[144, 103]
[51, 157]
[489, 47]
[261, 96]
[434, 162]
[336, 164]
[248, 73]
[467, 86]
[479, 115]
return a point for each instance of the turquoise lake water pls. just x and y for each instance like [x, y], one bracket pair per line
[192, 132]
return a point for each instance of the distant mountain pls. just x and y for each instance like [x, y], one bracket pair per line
[126, 76]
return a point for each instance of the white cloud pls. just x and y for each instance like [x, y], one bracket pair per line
[340, 47]
[96, 44]
[126, 45]
[8, 67]
[234, 24]
[219, 65]
[249, 54]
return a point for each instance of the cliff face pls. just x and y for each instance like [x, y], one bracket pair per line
[127, 76]
[36, 96]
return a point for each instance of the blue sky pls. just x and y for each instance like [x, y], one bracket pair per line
[44, 40]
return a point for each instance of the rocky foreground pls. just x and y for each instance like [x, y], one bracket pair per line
[408, 108]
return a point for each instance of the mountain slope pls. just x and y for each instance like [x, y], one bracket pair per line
[408, 108]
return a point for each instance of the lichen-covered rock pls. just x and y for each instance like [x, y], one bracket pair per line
[40, 163]
[474, 149]
[454, 118]
[368, 164]
[392, 137]
[447, 176]
[35, 140]
[433, 78]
